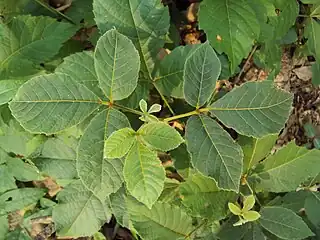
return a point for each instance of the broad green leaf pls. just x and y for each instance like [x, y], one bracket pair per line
[99, 174]
[229, 232]
[51, 103]
[58, 158]
[7, 181]
[287, 168]
[284, 223]
[256, 149]
[160, 136]
[119, 207]
[213, 152]
[81, 12]
[312, 32]
[23, 171]
[201, 196]
[234, 209]
[28, 41]
[143, 174]
[181, 158]
[17, 199]
[309, 1]
[119, 143]
[285, 17]
[170, 193]
[201, 71]
[254, 109]
[4, 227]
[312, 208]
[141, 92]
[162, 221]
[254, 233]
[169, 75]
[80, 67]
[292, 200]
[86, 213]
[251, 216]
[133, 19]
[248, 203]
[8, 89]
[316, 73]
[231, 27]
[117, 65]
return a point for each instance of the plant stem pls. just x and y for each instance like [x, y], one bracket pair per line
[253, 193]
[246, 63]
[303, 15]
[164, 99]
[195, 112]
[126, 109]
[55, 11]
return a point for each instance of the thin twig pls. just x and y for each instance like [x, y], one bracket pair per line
[164, 99]
[245, 64]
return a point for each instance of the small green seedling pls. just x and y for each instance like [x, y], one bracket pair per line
[147, 117]
[245, 214]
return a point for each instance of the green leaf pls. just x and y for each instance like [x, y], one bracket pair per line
[17, 199]
[234, 209]
[287, 168]
[23, 171]
[132, 18]
[143, 105]
[201, 71]
[7, 181]
[169, 75]
[24, 38]
[18, 234]
[292, 200]
[163, 221]
[201, 196]
[256, 149]
[80, 67]
[86, 213]
[119, 143]
[58, 158]
[81, 12]
[254, 233]
[229, 232]
[51, 103]
[4, 227]
[119, 207]
[248, 203]
[315, 11]
[313, 34]
[316, 73]
[155, 108]
[99, 174]
[254, 109]
[8, 89]
[117, 65]
[251, 216]
[284, 223]
[213, 152]
[143, 174]
[160, 136]
[312, 208]
[231, 27]
[141, 92]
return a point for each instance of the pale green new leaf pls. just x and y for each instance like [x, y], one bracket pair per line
[17, 199]
[284, 223]
[160, 136]
[256, 149]
[119, 143]
[201, 71]
[251, 216]
[80, 67]
[117, 65]
[313, 34]
[99, 174]
[213, 152]
[287, 168]
[143, 174]
[53, 102]
[79, 212]
[312, 208]
[234, 209]
[169, 75]
[162, 221]
[201, 196]
[146, 23]
[254, 109]
[231, 27]
[27, 41]
[248, 203]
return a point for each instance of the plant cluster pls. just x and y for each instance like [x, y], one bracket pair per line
[95, 125]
